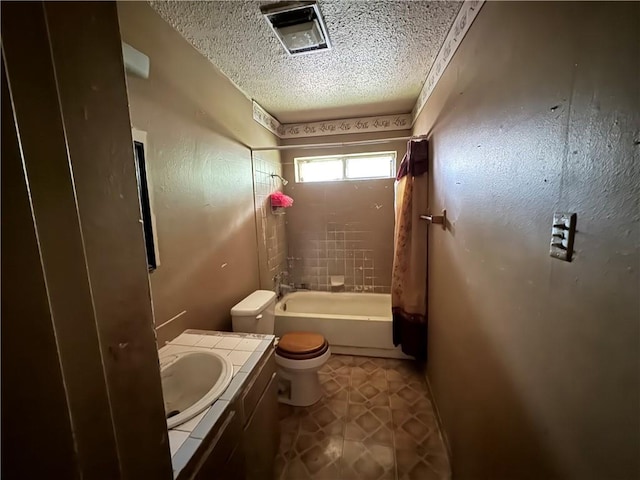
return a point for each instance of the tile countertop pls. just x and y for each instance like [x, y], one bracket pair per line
[245, 351]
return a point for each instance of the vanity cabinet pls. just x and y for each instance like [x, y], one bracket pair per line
[244, 443]
[224, 456]
[261, 434]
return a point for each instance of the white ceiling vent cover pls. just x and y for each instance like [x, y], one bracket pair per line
[298, 25]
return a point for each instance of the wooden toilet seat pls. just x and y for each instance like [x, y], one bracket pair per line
[302, 345]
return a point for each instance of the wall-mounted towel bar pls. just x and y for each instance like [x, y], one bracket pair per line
[439, 219]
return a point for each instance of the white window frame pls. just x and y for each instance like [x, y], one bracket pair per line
[344, 158]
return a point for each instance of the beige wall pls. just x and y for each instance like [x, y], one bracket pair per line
[341, 228]
[198, 126]
[534, 362]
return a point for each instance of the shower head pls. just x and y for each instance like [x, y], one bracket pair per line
[284, 181]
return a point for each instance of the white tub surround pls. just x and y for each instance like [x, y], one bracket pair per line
[352, 323]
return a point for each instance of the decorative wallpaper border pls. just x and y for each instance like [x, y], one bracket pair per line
[348, 125]
[382, 123]
[452, 41]
[267, 120]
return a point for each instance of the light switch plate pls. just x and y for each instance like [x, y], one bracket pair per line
[563, 231]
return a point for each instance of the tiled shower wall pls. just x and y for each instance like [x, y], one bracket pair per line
[272, 242]
[340, 249]
[341, 228]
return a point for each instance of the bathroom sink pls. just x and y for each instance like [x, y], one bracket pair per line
[191, 382]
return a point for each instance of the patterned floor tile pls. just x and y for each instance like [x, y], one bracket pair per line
[360, 360]
[371, 424]
[289, 419]
[295, 470]
[369, 363]
[416, 465]
[328, 416]
[409, 395]
[370, 367]
[365, 461]
[287, 411]
[317, 456]
[338, 365]
[404, 370]
[335, 386]
[417, 384]
[413, 428]
[376, 421]
[369, 390]
[287, 441]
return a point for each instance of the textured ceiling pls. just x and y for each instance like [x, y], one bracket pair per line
[382, 52]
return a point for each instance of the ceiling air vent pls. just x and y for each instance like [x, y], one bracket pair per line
[298, 25]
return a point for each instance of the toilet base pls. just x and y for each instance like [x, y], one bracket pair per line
[298, 381]
[300, 389]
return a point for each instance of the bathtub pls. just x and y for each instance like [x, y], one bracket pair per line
[352, 323]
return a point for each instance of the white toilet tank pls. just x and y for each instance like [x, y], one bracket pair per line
[255, 314]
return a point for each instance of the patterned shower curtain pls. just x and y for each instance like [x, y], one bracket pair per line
[409, 278]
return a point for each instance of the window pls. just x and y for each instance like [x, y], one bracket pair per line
[145, 193]
[357, 166]
[145, 205]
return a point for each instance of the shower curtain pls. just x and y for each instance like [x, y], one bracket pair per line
[409, 278]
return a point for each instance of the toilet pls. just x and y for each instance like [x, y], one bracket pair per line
[299, 355]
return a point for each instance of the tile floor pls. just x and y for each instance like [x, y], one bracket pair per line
[376, 422]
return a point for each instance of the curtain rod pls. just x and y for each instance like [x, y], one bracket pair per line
[340, 144]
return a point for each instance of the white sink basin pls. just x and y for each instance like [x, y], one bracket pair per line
[191, 382]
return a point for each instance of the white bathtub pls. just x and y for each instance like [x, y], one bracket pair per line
[352, 323]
